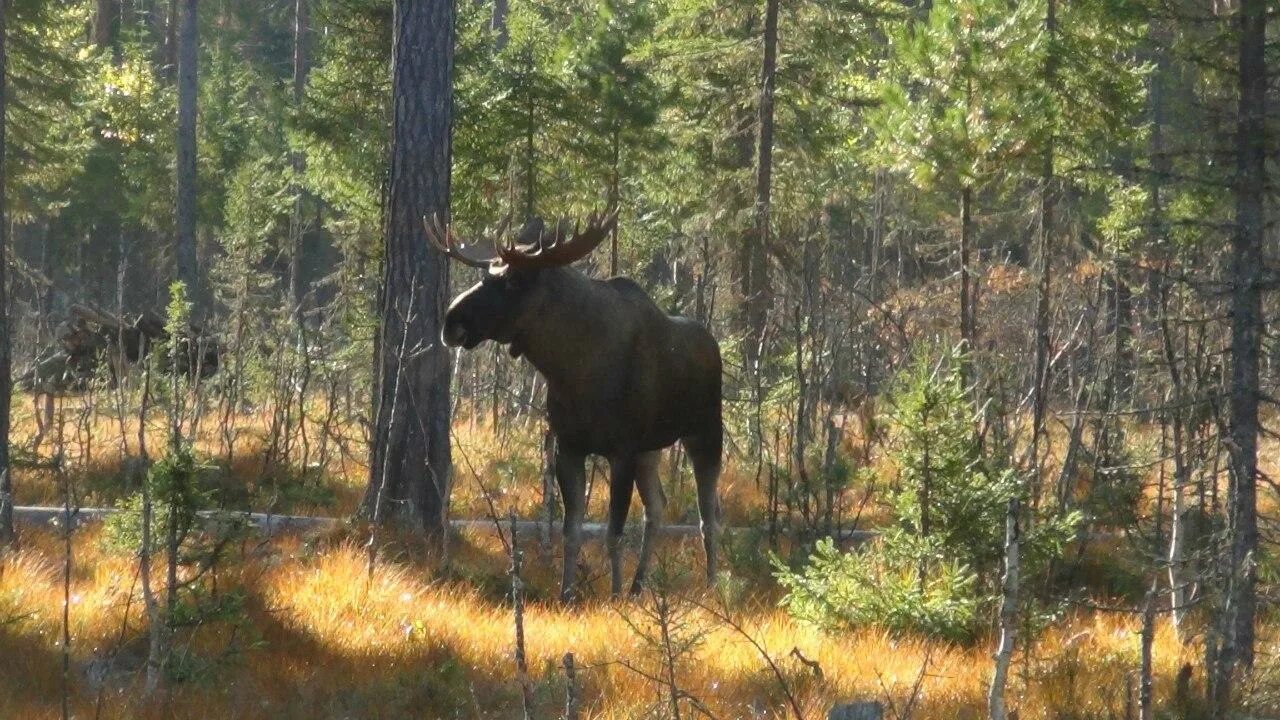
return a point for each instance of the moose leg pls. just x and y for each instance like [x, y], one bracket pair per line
[571, 474]
[622, 476]
[44, 418]
[704, 454]
[654, 503]
[39, 438]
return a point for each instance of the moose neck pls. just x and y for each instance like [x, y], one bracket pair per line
[567, 339]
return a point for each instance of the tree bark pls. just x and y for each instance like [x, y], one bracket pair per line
[6, 381]
[1246, 343]
[105, 16]
[171, 40]
[498, 25]
[967, 330]
[301, 69]
[755, 270]
[185, 209]
[1040, 387]
[1146, 704]
[1008, 615]
[1179, 517]
[410, 459]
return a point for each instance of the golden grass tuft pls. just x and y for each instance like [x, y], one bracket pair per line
[325, 638]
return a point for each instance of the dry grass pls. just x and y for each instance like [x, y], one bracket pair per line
[502, 468]
[326, 639]
[320, 636]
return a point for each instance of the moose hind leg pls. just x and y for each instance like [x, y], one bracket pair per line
[622, 477]
[43, 405]
[704, 455]
[571, 474]
[654, 503]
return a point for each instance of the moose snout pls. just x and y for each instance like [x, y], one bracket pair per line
[454, 333]
[457, 332]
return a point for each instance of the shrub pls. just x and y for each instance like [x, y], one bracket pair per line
[933, 570]
[882, 586]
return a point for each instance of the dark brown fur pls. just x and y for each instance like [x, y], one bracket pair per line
[624, 380]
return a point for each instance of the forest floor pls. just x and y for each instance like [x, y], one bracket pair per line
[307, 627]
[316, 636]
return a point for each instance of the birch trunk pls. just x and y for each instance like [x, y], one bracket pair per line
[996, 709]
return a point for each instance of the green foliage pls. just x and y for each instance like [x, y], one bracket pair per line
[343, 133]
[934, 570]
[44, 138]
[960, 95]
[132, 114]
[953, 486]
[178, 311]
[178, 493]
[882, 586]
[948, 494]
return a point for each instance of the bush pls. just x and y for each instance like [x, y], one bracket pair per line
[947, 490]
[174, 483]
[934, 569]
[882, 586]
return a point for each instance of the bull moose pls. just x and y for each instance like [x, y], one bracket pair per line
[624, 380]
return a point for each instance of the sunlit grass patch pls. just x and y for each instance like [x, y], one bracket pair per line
[327, 638]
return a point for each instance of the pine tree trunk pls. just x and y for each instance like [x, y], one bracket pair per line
[105, 14]
[1246, 343]
[1146, 695]
[498, 25]
[410, 459]
[755, 270]
[1179, 517]
[1040, 386]
[301, 68]
[967, 330]
[185, 210]
[171, 40]
[6, 381]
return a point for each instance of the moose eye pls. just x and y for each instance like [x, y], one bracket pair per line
[513, 281]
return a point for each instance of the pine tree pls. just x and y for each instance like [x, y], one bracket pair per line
[6, 383]
[410, 461]
[955, 99]
[185, 193]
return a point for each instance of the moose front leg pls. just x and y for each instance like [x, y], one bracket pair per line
[43, 404]
[622, 478]
[571, 474]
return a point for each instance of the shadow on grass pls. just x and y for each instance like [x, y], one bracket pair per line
[31, 673]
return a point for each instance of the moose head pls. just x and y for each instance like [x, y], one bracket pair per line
[504, 304]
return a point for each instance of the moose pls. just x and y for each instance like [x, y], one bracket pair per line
[624, 380]
[92, 344]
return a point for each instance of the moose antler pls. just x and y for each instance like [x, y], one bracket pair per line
[555, 249]
[443, 239]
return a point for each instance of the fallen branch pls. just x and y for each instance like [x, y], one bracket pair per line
[270, 524]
